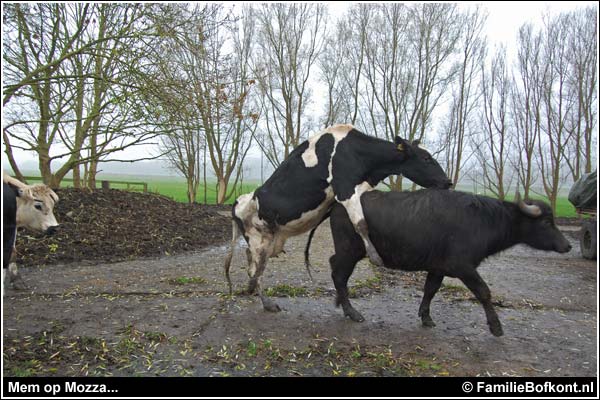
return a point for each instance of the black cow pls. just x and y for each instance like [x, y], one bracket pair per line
[9, 225]
[334, 165]
[446, 233]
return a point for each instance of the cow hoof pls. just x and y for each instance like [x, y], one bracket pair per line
[354, 315]
[376, 260]
[270, 306]
[17, 283]
[427, 322]
[251, 288]
[496, 329]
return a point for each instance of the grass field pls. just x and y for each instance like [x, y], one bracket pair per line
[175, 188]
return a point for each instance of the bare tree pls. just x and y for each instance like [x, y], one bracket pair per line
[453, 138]
[407, 68]
[209, 84]
[526, 100]
[71, 106]
[39, 38]
[342, 64]
[556, 106]
[582, 85]
[289, 39]
[493, 148]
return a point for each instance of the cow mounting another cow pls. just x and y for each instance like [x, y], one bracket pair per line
[336, 165]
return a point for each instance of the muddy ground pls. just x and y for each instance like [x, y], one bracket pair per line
[171, 316]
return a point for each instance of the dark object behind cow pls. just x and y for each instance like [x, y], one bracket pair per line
[583, 192]
[446, 233]
[9, 222]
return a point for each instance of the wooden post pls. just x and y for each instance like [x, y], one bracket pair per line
[105, 185]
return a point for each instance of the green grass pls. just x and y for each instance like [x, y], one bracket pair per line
[177, 190]
[184, 280]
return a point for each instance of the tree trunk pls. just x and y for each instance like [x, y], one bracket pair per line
[92, 171]
[77, 176]
[221, 191]
[191, 190]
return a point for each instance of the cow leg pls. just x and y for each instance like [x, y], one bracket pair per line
[355, 212]
[340, 273]
[260, 249]
[268, 304]
[480, 289]
[432, 285]
[249, 256]
[15, 279]
[349, 249]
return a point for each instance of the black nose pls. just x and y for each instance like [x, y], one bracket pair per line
[565, 249]
[51, 230]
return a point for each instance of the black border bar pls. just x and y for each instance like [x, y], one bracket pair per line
[48, 387]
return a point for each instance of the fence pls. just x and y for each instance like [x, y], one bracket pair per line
[104, 184]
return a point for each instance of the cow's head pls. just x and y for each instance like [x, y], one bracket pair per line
[35, 208]
[419, 166]
[537, 227]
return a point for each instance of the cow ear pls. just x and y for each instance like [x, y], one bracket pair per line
[401, 144]
[416, 142]
[24, 193]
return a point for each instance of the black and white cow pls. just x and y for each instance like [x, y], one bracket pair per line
[28, 206]
[446, 233]
[331, 166]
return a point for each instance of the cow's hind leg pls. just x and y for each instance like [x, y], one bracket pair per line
[481, 290]
[341, 269]
[268, 304]
[432, 285]
[260, 248]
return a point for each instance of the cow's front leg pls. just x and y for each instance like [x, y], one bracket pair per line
[15, 279]
[355, 212]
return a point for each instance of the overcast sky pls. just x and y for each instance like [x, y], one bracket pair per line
[504, 20]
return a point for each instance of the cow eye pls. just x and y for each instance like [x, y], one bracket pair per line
[38, 207]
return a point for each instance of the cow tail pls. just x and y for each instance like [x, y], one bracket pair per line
[307, 248]
[235, 234]
[307, 251]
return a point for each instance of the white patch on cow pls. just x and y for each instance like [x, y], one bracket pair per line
[338, 132]
[247, 210]
[255, 229]
[353, 206]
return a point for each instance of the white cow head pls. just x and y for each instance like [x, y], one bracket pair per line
[35, 206]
